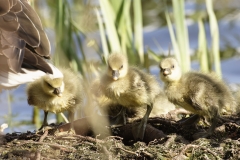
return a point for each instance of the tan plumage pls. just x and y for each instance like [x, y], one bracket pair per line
[24, 46]
[199, 93]
[161, 107]
[56, 95]
[129, 87]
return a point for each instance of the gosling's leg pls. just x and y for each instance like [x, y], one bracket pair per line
[210, 131]
[139, 129]
[71, 119]
[120, 118]
[44, 120]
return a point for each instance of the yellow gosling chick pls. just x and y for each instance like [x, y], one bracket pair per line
[129, 87]
[56, 94]
[201, 94]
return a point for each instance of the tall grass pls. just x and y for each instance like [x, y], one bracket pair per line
[215, 37]
[180, 39]
[204, 58]
[119, 32]
[65, 29]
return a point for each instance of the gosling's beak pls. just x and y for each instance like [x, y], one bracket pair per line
[58, 92]
[115, 74]
[166, 71]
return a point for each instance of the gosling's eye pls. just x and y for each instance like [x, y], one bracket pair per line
[172, 66]
[121, 67]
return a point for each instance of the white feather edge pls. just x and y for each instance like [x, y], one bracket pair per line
[9, 80]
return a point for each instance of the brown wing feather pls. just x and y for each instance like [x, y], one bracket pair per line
[23, 42]
[44, 47]
[4, 7]
[34, 61]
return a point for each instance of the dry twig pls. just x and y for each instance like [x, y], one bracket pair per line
[55, 146]
[201, 147]
[43, 136]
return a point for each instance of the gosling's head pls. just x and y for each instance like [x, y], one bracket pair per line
[170, 70]
[53, 86]
[117, 66]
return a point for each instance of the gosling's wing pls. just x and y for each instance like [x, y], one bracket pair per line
[197, 90]
[23, 43]
[192, 101]
[137, 78]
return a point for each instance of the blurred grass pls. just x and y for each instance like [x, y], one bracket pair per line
[180, 39]
[118, 31]
[181, 34]
[215, 37]
[203, 57]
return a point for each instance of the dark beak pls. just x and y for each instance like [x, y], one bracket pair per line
[166, 71]
[115, 74]
[58, 92]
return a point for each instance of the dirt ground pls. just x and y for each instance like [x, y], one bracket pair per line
[164, 139]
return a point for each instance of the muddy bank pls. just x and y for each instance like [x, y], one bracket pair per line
[164, 139]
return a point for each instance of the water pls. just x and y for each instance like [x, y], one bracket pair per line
[159, 40]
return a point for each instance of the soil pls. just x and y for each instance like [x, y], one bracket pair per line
[165, 138]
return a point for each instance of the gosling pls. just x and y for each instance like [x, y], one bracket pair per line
[56, 94]
[201, 94]
[129, 87]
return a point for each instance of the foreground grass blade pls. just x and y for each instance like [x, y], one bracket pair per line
[173, 38]
[109, 16]
[181, 34]
[215, 37]
[138, 30]
[202, 48]
[102, 35]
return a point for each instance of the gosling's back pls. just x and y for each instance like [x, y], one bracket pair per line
[209, 91]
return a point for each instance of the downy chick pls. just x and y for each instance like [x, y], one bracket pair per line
[129, 87]
[199, 93]
[24, 46]
[56, 94]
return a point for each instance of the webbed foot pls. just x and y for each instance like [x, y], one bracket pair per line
[43, 128]
[71, 131]
[189, 121]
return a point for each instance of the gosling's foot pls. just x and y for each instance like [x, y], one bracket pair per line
[189, 121]
[71, 131]
[43, 128]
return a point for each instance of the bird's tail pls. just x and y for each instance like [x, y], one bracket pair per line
[9, 80]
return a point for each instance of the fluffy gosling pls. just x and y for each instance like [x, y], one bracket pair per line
[199, 93]
[56, 94]
[129, 87]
